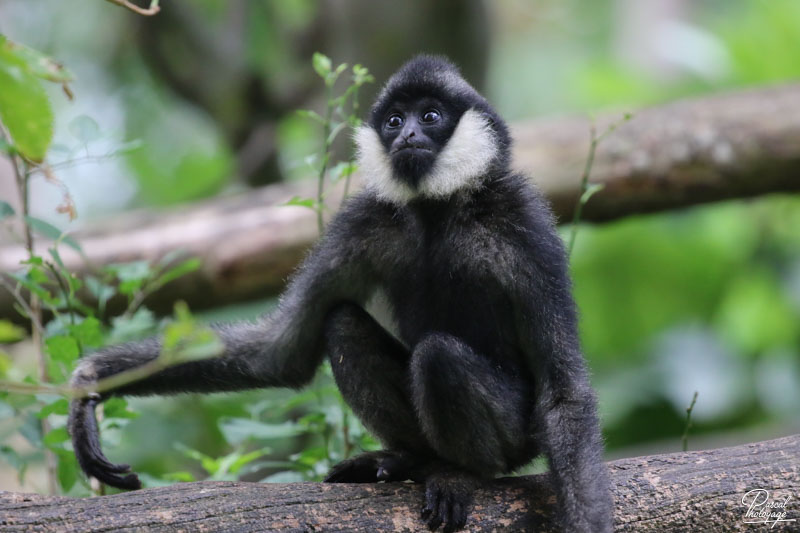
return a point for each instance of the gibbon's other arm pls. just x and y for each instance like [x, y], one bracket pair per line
[565, 412]
[282, 349]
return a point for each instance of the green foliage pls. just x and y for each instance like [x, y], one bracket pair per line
[24, 107]
[341, 112]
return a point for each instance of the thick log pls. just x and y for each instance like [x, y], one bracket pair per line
[694, 491]
[724, 146]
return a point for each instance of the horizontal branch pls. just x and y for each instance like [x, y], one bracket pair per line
[730, 145]
[694, 491]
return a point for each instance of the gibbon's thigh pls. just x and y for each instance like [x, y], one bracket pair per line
[371, 370]
[473, 413]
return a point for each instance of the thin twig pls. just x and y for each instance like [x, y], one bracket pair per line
[685, 437]
[325, 157]
[34, 307]
[587, 168]
[149, 11]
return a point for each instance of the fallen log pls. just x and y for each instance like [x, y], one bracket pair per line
[729, 145]
[694, 491]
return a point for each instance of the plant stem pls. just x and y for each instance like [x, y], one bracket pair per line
[35, 312]
[587, 169]
[326, 130]
[685, 437]
[355, 116]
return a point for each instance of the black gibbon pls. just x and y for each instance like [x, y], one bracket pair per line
[475, 368]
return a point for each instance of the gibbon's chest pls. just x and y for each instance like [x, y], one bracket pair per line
[443, 278]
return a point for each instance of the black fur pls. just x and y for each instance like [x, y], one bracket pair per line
[484, 371]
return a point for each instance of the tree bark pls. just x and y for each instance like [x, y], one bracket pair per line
[694, 491]
[732, 145]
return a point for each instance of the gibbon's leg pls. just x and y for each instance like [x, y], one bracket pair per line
[474, 413]
[476, 416]
[371, 370]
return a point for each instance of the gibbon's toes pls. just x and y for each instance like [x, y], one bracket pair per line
[446, 504]
[355, 470]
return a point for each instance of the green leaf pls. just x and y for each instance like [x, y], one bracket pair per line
[24, 107]
[35, 288]
[5, 210]
[128, 147]
[123, 329]
[190, 265]
[58, 407]
[67, 469]
[51, 232]
[88, 332]
[118, 408]
[56, 437]
[35, 62]
[102, 291]
[321, 64]
[302, 202]
[336, 130]
[312, 115]
[63, 349]
[591, 190]
[84, 128]
[10, 332]
[238, 430]
[343, 169]
[133, 271]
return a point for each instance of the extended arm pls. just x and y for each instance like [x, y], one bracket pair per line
[281, 349]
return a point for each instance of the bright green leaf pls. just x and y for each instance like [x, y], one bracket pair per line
[63, 349]
[24, 108]
[302, 202]
[10, 332]
[67, 470]
[35, 62]
[322, 64]
[89, 332]
[118, 408]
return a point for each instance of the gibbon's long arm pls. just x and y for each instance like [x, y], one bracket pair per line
[565, 412]
[282, 349]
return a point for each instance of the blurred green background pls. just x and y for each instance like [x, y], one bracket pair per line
[705, 299]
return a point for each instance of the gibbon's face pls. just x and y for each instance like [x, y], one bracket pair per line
[413, 134]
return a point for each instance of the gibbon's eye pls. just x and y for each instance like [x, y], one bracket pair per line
[394, 121]
[431, 116]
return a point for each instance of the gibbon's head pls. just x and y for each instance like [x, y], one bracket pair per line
[430, 134]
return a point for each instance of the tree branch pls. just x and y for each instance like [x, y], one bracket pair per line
[731, 145]
[695, 491]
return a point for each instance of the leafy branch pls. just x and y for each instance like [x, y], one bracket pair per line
[335, 120]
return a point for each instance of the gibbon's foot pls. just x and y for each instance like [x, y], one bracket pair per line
[448, 499]
[371, 467]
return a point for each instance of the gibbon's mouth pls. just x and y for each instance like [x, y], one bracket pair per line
[412, 147]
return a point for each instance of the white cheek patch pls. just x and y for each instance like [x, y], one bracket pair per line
[376, 168]
[465, 158]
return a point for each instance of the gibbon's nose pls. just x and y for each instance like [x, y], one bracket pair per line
[410, 131]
